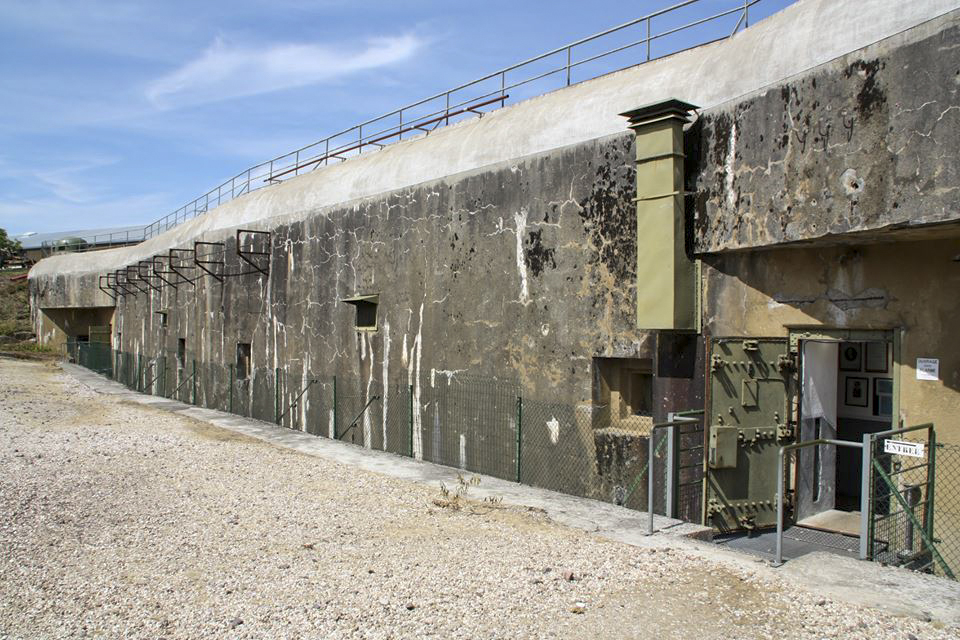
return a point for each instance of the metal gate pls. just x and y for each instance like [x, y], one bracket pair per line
[903, 489]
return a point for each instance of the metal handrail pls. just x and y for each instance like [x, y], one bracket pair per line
[864, 496]
[675, 419]
[156, 376]
[310, 383]
[926, 426]
[183, 382]
[451, 103]
[357, 419]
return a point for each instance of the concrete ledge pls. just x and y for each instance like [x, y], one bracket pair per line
[606, 520]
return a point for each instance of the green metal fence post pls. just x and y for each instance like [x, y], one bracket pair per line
[194, 381]
[932, 479]
[231, 387]
[276, 395]
[163, 379]
[334, 407]
[410, 415]
[519, 433]
[139, 371]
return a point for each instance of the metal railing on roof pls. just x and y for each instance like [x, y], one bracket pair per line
[93, 242]
[468, 99]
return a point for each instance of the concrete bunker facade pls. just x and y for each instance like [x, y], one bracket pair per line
[607, 275]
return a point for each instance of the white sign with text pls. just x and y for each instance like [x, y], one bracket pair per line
[901, 448]
[928, 368]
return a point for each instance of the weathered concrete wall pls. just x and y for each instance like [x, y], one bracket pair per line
[523, 271]
[54, 327]
[907, 285]
[846, 148]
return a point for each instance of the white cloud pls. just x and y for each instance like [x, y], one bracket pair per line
[225, 71]
[68, 184]
[52, 214]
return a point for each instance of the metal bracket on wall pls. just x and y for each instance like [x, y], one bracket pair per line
[133, 275]
[121, 280]
[113, 285]
[202, 263]
[252, 257]
[147, 277]
[104, 285]
[160, 269]
[175, 260]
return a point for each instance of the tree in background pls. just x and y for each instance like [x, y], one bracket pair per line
[8, 248]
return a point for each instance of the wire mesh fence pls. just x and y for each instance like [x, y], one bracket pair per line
[488, 426]
[946, 522]
[907, 525]
[479, 425]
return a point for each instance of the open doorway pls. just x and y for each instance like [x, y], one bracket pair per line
[847, 390]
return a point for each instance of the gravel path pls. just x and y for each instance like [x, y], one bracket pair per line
[122, 521]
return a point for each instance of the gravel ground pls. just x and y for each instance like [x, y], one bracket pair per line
[119, 521]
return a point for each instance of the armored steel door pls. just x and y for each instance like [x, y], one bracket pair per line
[749, 387]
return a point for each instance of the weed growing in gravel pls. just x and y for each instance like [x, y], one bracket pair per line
[457, 498]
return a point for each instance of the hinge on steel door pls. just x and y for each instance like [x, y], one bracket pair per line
[785, 431]
[786, 363]
[716, 362]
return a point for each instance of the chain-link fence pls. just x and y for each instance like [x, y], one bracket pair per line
[92, 355]
[480, 425]
[488, 426]
[914, 505]
[946, 521]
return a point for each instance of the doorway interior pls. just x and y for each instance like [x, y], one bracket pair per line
[847, 389]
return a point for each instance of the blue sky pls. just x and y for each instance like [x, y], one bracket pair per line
[118, 112]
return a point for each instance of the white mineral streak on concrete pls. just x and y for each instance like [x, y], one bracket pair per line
[728, 168]
[385, 387]
[520, 219]
[463, 451]
[333, 424]
[268, 300]
[367, 423]
[413, 377]
[708, 76]
[553, 426]
[404, 359]
[448, 373]
[304, 406]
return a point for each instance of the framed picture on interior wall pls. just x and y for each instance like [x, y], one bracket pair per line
[856, 391]
[850, 356]
[883, 397]
[875, 358]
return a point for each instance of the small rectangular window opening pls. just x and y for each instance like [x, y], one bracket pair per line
[243, 360]
[625, 390]
[366, 306]
[163, 318]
